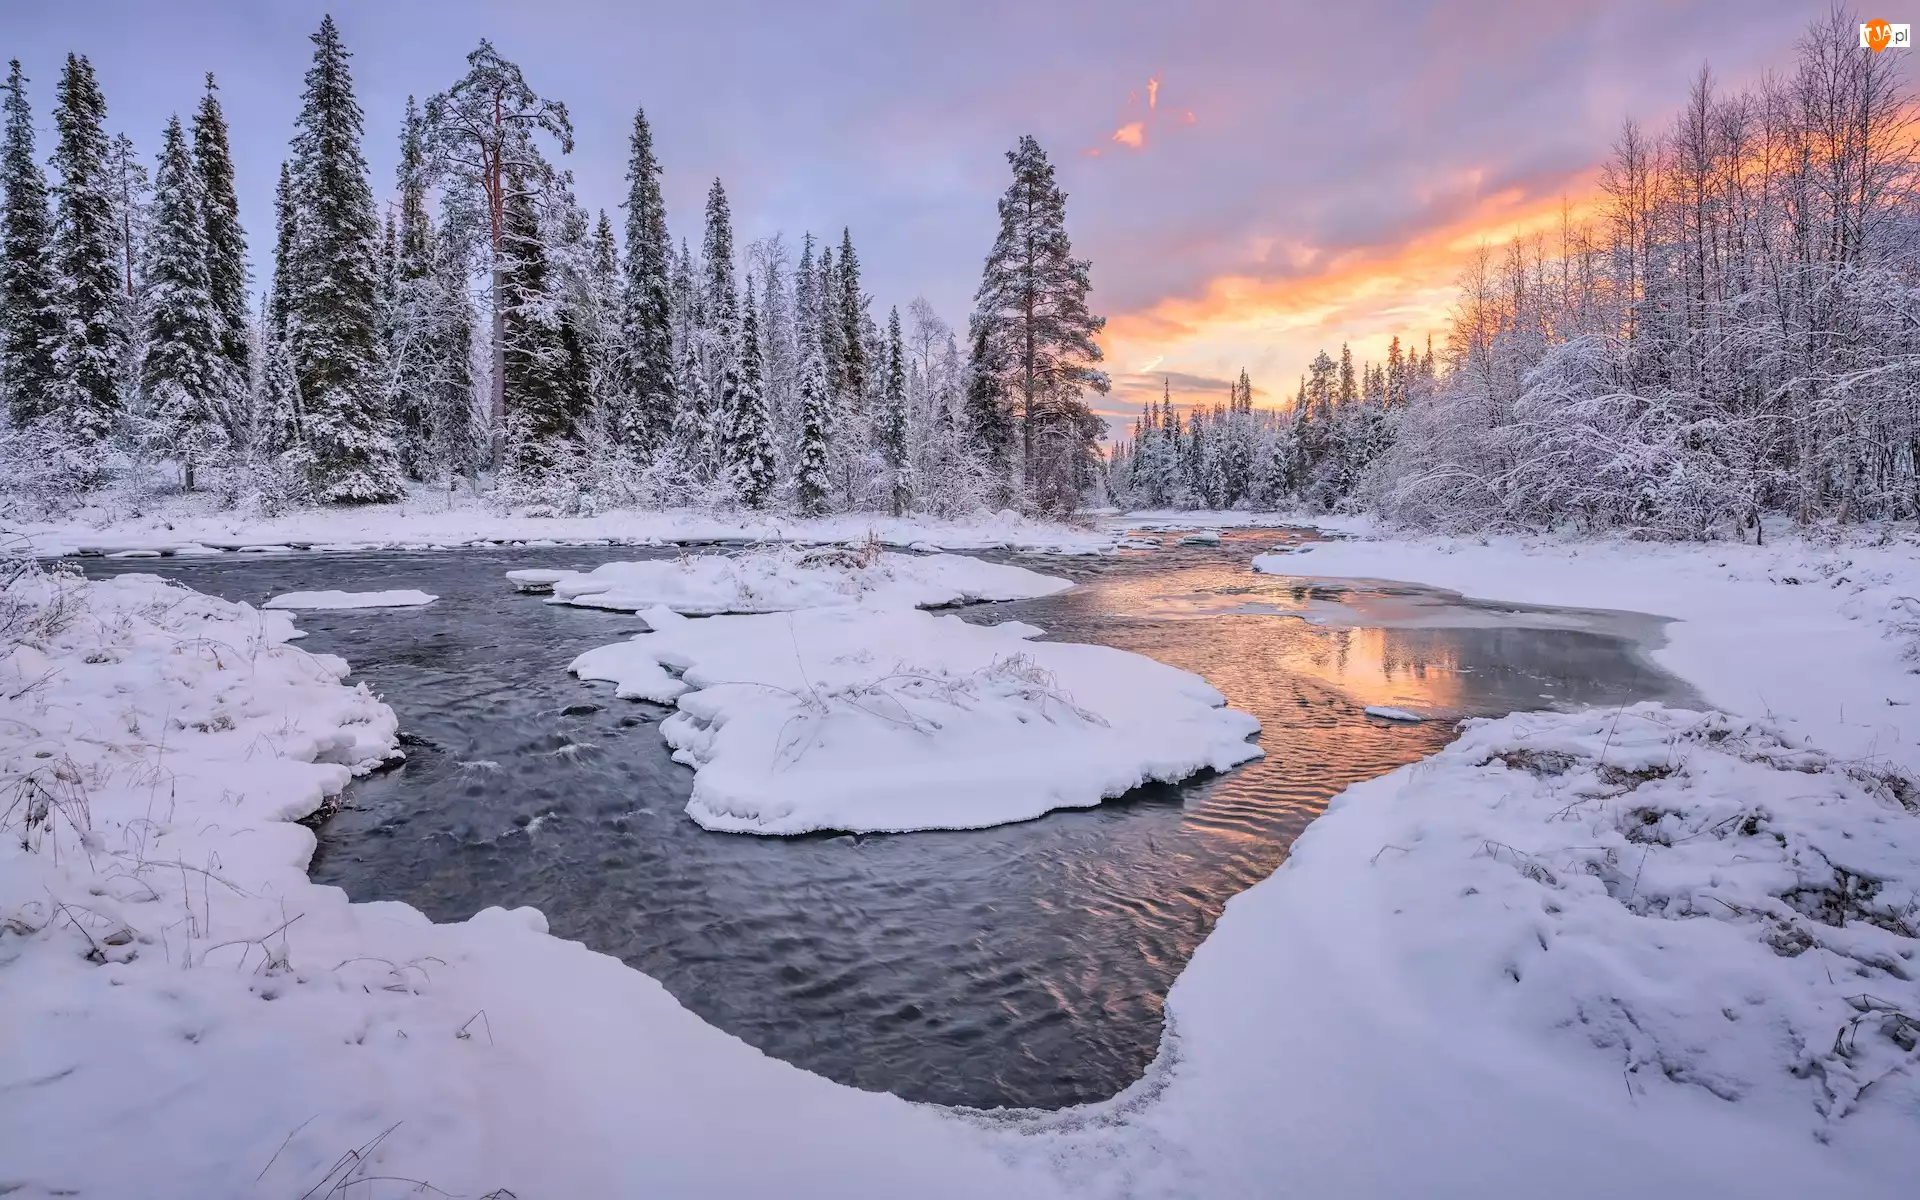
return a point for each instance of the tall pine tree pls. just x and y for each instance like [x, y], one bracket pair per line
[332, 328]
[646, 319]
[544, 362]
[410, 347]
[480, 138]
[892, 424]
[750, 440]
[1032, 303]
[87, 267]
[721, 296]
[852, 318]
[812, 482]
[30, 327]
[185, 376]
[226, 241]
[988, 417]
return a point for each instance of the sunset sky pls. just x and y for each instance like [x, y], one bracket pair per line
[1251, 181]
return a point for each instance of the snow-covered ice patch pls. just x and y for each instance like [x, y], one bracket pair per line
[783, 579]
[1204, 537]
[537, 581]
[317, 601]
[888, 720]
[1387, 712]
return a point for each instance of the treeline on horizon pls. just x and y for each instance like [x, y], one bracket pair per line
[1736, 333]
[511, 341]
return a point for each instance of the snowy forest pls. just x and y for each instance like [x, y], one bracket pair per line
[488, 332]
[1736, 332]
[1731, 330]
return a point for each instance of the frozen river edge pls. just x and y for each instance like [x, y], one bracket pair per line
[1238, 1104]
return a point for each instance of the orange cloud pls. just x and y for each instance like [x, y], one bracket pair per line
[1361, 295]
[1135, 126]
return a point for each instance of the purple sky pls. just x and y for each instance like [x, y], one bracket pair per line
[1336, 154]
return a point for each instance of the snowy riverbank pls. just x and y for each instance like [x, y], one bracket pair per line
[191, 1017]
[1479, 976]
[189, 525]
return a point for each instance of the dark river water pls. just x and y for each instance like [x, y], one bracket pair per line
[1020, 966]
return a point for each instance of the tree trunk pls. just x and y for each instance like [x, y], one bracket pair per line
[497, 404]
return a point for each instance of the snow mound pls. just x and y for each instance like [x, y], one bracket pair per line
[889, 720]
[1387, 712]
[1205, 537]
[781, 580]
[343, 600]
[1691, 897]
[537, 581]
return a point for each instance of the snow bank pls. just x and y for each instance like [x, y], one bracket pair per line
[869, 719]
[341, 600]
[196, 524]
[1641, 952]
[781, 580]
[187, 1016]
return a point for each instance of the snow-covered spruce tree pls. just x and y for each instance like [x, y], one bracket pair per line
[716, 334]
[989, 413]
[184, 379]
[694, 442]
[545, 365]
[646, 318]
[328, 277]
[750, 438]
[274, 427]
[598, 304]
[286, 216]
[226, 247]
[130, 195]
[779, 356]
[407, 298]
[892, 421]
[480, 133]
[720, 293]
[830, 331]
[855, 364]
[456, 438]
[812, 485]
[1032, 302]
[88, 272]
[30, 327]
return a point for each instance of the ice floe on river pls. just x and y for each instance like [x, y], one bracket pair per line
[780, 580]
[320, 601]
[890, 719]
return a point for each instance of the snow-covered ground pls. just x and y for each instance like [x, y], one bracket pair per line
[1637, 952]
[882, 718]
[192, 524]
[1586, 955]
[782, 579]
[185, 1015]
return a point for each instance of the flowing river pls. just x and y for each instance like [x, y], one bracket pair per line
[1021, 966]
